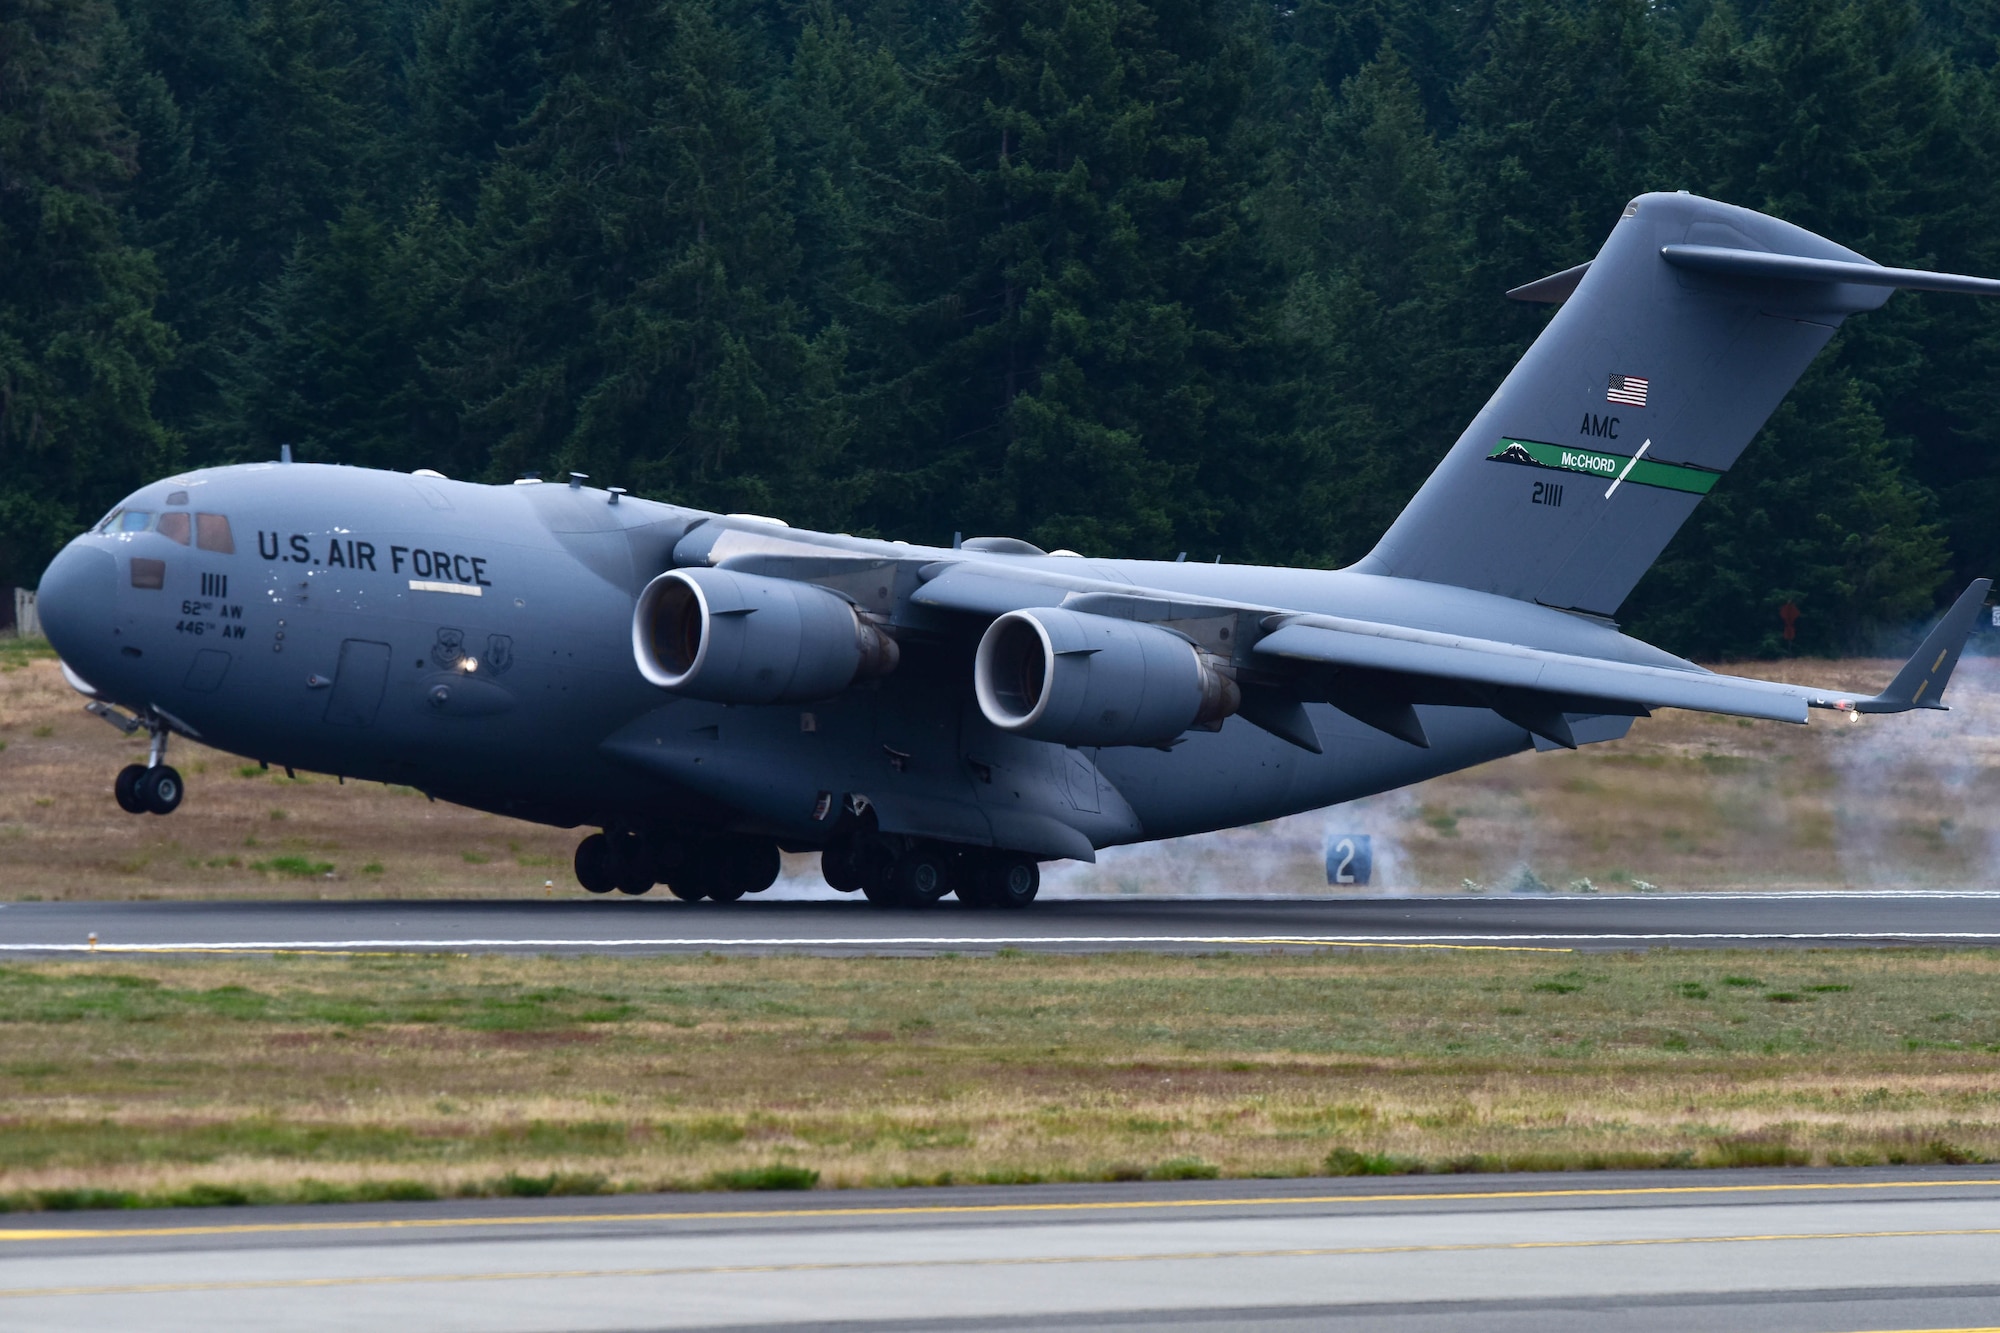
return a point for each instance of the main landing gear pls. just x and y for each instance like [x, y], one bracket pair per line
[894, 871]
[720, 869]
[153, 787]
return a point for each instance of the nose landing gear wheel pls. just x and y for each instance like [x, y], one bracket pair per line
[126, 789]
[161, 790]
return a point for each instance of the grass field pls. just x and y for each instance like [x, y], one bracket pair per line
[1688, 801]
[126, 1081]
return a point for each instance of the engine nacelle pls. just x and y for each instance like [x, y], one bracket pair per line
[1078, 679]
[744, 639]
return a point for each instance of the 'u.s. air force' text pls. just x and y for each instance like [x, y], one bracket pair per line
[353, 553]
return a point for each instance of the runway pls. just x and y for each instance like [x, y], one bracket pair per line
[850, 925]
[1761, 1252]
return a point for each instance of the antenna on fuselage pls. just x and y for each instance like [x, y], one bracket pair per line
[284, 453]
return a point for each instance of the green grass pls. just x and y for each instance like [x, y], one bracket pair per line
[773, 1177]
[296, 866]
[298, 1078]
[17, 653]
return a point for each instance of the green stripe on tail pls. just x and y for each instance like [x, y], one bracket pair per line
[1645, 472]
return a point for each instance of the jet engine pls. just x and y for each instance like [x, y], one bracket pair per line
[743, 639]
[1077, 679]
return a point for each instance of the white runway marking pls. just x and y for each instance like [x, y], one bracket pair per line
[1554, 940]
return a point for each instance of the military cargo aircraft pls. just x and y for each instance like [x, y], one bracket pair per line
[710, 689]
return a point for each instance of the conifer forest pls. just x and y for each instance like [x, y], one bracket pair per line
[1133, 277]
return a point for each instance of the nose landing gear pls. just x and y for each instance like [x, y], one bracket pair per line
[153, 787]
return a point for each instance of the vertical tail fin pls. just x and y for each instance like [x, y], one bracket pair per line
[1672, 348]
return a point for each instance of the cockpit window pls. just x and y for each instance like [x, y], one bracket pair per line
[177, 498]
[134, 520]
[211, 533]
[109, 522]
[175, 526]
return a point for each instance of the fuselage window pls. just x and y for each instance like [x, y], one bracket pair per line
[175, 526]
[211, 533]
[149, 573]
[134, 520]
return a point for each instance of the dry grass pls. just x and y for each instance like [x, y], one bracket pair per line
[370, 1077]
[1687, 801]
[243, 831]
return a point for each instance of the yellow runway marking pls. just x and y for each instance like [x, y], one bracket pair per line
[918, 1210]
[1027, 1261]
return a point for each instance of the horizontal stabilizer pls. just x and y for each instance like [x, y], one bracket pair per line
[1921, 682]
[1552, 290]
[1733, 263]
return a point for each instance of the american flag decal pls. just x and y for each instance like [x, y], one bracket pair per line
[1627, 389]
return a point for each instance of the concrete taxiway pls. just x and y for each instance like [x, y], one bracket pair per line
[1759, 1252]
[664, 925]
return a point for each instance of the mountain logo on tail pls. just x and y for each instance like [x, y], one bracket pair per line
[1513, 451]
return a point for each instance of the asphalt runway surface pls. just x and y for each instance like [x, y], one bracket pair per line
[1749, 1251]
[850, 925]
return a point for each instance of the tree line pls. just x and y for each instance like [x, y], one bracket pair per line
[1131, 277]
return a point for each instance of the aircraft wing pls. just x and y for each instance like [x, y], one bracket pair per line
[1376, 672]
[1537, 688]
[1368, 646]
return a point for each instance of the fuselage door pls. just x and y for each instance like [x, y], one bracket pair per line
[358, 683]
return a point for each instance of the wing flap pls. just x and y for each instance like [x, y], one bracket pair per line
[1366, 645]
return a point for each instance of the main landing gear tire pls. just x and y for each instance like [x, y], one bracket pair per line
[631, 863]
[923, 875]
[840, 867]
[126, 789]
[724, 869]
[594, 869]
[160, 790]
[1006, 881]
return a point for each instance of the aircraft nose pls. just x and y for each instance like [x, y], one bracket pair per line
[77, 602]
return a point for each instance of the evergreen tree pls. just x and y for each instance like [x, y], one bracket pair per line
[627, 312]
[1821, 119]
[1127, 275]
[335, 361]
[478, 74]
[1834, 529]
[1097, 393]
[79, 346]
[1379, 404]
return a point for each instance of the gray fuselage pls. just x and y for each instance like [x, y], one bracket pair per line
[475, 642]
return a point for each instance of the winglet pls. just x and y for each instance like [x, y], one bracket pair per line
[1921, 682]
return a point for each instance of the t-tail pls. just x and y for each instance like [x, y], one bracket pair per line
[1672, 348]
